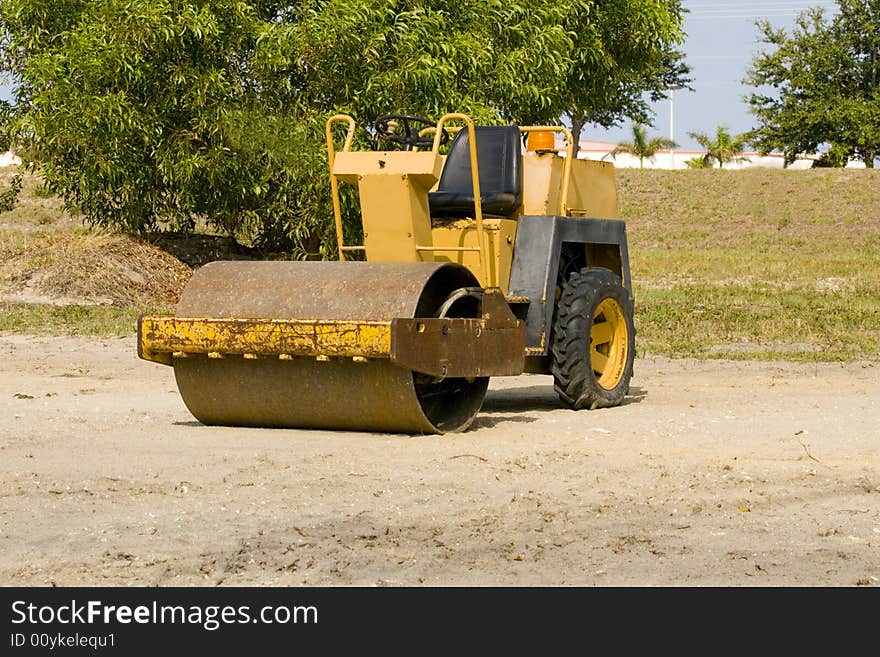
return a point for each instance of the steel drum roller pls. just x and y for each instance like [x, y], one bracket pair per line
[309, 393]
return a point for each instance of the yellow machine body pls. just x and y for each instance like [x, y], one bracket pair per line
[500, 235]
[592, 191]
[393, 189]
[405, 341]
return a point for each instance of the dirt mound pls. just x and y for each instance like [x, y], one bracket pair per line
[89, 269]
[197, 249]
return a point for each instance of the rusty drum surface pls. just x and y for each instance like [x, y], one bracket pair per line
[331, 393]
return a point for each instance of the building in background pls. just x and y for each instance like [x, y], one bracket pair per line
[678, 159]
[601, 150]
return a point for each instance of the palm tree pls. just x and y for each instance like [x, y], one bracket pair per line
[722, 148]
[641, 146]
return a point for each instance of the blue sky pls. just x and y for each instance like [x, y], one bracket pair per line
[721, 42]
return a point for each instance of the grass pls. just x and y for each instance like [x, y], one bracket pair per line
[69, 319]
[755, 264]
[750, 264]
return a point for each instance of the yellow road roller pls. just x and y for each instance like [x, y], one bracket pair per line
[487, 251]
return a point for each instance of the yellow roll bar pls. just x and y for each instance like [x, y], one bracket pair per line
[482, 247]
[334, 185]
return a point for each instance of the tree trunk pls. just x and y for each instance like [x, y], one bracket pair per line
[577, 126]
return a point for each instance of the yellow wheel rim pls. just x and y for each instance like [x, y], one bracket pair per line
[609, 341]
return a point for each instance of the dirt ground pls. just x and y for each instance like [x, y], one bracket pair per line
[714, 473]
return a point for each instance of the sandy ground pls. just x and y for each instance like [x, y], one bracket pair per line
[713, 473]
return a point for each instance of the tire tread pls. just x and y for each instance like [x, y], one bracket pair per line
[574, 380]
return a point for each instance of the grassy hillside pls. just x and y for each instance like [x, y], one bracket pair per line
[755, 263]
[57, 276]
[726, 264]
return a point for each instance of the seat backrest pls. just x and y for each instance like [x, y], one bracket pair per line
[499, 160]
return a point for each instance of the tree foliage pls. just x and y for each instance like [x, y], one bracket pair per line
[529, 61]
[147, 114]
[697, 163]
[9, 196]
[624, 56]
[143, 113]
[835, 157]
[641, 146]
[722, 147]
[820, 84]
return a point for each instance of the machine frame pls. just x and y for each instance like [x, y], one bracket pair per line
[522, 266]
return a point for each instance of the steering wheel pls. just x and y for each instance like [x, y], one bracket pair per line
[404, 129]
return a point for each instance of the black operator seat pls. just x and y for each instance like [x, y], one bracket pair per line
[499, 160]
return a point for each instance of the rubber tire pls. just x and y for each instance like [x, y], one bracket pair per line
[575, 382]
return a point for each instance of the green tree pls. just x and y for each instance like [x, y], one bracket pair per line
[625, 56]
[641, 146]
[147, 114]
[722, 147]
[835, 157]
[697, 163]
[820, 83]
[529, 62]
